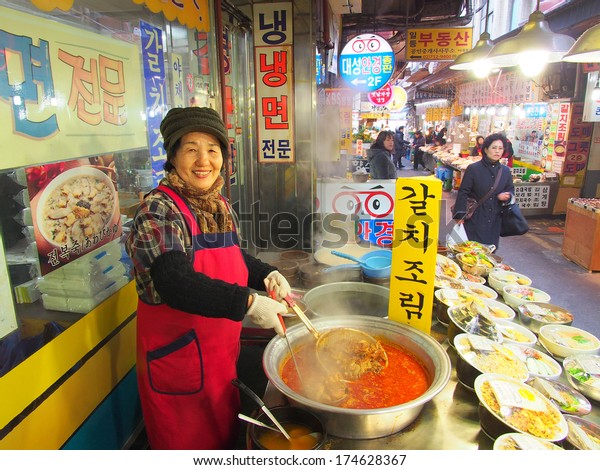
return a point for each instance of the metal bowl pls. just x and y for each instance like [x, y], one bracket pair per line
[534, 315]
[371, 423]
[348, 298]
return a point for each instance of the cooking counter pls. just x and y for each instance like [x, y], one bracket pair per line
[449, 422]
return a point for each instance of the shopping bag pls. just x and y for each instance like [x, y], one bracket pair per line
[457, 235]
[513, 222]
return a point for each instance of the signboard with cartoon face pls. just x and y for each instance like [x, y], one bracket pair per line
[367, 62]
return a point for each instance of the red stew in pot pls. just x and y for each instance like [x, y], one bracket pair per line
[403, 380]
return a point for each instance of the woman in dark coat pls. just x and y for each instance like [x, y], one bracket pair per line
[418, 142]
[380, 157]
[478, 150]
[479, 178]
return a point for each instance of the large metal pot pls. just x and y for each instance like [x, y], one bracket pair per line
[348, 298]
[364, 424]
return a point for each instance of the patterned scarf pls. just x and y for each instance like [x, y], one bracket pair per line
[210, 209]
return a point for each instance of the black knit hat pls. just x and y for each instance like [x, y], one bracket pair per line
[180, 121]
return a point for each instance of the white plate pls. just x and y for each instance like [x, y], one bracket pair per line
[538, 364]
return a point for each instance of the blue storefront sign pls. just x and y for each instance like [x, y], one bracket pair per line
[367, 62]
[156, 102]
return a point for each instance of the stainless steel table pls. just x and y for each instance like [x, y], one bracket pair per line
[449, 421]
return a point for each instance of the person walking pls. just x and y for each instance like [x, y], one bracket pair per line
[418, 142]
[490, 184]
[399, 148]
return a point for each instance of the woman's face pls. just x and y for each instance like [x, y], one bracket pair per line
[480, 141]
[199, 160]
[495, 150]
[388, 143]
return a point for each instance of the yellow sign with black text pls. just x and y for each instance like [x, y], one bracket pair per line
[414, 251]
[437, 43]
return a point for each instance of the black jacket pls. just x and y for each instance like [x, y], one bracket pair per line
[479, 177]
[380, 164]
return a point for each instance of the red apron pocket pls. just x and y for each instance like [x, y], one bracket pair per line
[176, 369]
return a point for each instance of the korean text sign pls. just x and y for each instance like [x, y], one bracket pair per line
[156, 102]
[65, 92]
[274, 62]
[414, 251]
[367, 62]
[438, 43]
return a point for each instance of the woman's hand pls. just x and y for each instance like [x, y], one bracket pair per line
[504, 196]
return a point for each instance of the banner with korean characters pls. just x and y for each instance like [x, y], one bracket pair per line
[578, 148]
[274, 69]
[507, 88]
[437, 43]
[66, 92]
[414, 250]
[177, 88]
[156, 101]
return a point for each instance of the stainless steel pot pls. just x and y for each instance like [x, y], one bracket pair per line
[348, 298]
[364, 424]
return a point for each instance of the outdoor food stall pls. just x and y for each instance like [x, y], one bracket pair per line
[498, 340]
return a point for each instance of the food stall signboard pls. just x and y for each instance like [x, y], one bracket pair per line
[274, 69]
[367, 62]
[381, 97]
[66, 92]
[414, 250]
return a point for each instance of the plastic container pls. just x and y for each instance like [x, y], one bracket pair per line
[85, 285]
[82, 304]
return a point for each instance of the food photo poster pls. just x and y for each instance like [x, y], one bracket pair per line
[74, 208]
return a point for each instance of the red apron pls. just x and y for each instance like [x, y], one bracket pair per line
[185, 362]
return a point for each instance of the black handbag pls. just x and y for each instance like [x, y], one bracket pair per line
[513, 222]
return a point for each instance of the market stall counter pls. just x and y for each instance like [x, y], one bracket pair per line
[451, 421]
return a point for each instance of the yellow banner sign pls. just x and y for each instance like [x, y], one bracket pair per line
[65, 92]
[438, 43]
[193, 14]
[414, 250]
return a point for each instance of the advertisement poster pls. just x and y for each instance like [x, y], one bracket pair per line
[74, 208]
[66, 92]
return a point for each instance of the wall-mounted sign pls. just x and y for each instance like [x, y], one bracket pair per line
[274, 59]
[66, 92]
[367, 62]
[438, 43]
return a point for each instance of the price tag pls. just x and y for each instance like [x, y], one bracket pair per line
[512, 395]
[526, 442]
[480, 343]
[590, 364]
[551, 391]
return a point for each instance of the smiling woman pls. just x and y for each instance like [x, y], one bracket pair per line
[194, 281]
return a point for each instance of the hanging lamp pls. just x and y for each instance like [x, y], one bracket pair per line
[473, 59]
[587, 48]
[533, 47]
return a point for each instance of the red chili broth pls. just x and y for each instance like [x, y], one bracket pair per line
[403, 380]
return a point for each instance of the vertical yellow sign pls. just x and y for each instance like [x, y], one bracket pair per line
[414, 250]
